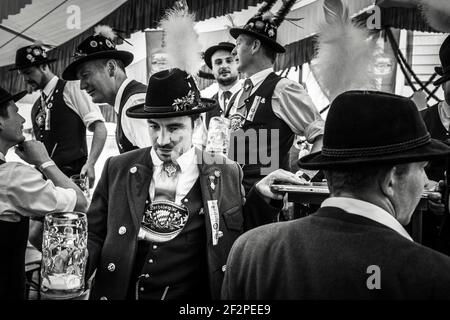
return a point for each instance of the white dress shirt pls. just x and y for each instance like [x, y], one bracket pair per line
[23, 192]
[136, 130]
[237, 86]
[292, 104]
[444, 114]
[77, 100]
[366, 210]
[186, 177]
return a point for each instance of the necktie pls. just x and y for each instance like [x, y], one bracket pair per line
[166, 185]
[246, 90]
[226, 95]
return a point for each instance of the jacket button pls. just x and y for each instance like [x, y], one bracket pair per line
[122, 230]
[111, 267]
[155, 247]
[133, 170]
[103, 298]
[219, 234]
[186, 200]
[224, 267]
[150, 261]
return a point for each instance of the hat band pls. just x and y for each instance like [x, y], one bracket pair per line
[380, 150]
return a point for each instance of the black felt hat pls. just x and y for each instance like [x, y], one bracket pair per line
[97, 46]
[227, 46]
[30, 56]
[171, 93]
[444, 69]
[368, 127]
[263, 25]
[5, 96]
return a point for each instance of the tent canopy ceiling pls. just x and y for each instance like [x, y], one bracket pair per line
[46, 20]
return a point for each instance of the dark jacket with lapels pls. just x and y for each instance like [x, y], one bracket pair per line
[119, 203]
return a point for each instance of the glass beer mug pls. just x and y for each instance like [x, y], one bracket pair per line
[218, 140]
[82, 183]
[64, 255]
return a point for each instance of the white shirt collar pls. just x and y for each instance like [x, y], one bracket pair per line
[185, 161]
[50, 86]
[259, 77]
[237, 86]
[367, 210]
[2, 157]
[119, 94]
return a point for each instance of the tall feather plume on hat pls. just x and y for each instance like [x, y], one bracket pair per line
[275, 18]
[436, 13]
[105, 31]
[345, 53]
[182, 45]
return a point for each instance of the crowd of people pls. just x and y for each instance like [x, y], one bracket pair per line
[169, 220]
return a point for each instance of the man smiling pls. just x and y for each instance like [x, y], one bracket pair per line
[100, 67]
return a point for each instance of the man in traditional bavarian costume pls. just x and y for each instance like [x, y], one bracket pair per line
[223, 65]
[101, 69]
[267, 102]
[61, 115]
[163, 219]
[355, 246]
[437, 120]
[24, 194]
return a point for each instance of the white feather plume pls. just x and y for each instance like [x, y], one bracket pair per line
[105, 31]
[182, 45]
[345, 59]
[436, 13]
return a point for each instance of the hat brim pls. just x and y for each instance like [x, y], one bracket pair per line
[235, 32]
[211, 50]
[33, 64]
[14, 98]
[70, 73]
[441, 80]
[433, 150]
[138, 111]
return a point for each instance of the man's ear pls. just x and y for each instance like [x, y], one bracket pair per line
[256, 46]
[387, 181]
[111, 67]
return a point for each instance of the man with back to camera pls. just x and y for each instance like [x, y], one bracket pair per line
[355, 245]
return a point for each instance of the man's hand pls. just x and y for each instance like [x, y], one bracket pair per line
[279, 176]
[89, 171]
[33, 152]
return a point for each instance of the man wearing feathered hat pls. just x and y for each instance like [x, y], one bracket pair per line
[355, 245]
[25, 194]
[100, 67]
[437, 120]
[61, 115]
[163, 218]
[223, 65]
[267, 103]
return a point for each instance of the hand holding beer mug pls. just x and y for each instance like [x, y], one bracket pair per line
[218, 136]
[82, 183]
[64, 255]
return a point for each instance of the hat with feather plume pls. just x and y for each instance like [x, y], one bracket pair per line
[264, 24]
[32, 55]
[173, 92]
[101, 45]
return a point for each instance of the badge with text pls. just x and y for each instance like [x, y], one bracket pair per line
[254, 108]
[163, 220]
[214, 218]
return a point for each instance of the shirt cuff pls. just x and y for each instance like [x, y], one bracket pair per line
[66, 199]
[314, 130]
[91, 117]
